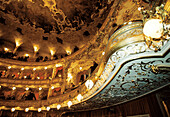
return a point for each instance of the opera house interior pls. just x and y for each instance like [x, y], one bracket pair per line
[84, 58]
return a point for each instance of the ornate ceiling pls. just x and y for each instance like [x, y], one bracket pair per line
[55, 25]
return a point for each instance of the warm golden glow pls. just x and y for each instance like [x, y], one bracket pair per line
[52, 87]
[40, 88]
[58, 106]
[36, 48]
[58, 65]
[69, 104]
[6, 49]
[80, 68]
[13, 88]
[12, 109]
[25, 76]
[89, 84]
[22, 68]
[79, 97]
[48, 108]
[68, 52]
[26, 109]
[34, 69]
[27, 88]
[9, 67]
[18, 42]
[52, 52]
[45, 67]
[153, 28]
[39, 109]
[26, 55]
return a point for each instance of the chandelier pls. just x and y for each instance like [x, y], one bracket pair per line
[156, 27]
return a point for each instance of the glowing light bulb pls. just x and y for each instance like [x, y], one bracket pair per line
[34, 69]
[52, 87]
[103, 53]
[45, 67]
[80, 68]
[12, 109]
[40, 88]
[39, 109]
[6, 49]
[153, 28]
[9, 67]
[69, 104]
[13, 88]
[58, 106]
[26, 55]
[27, 88]
[48, 108]
[89, 84]
[79, 97]
[22, 68]
[26, 109]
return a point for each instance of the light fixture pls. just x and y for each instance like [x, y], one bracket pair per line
[6, 49]
[18, 42]
[22, 69]
[45, 67]
[130, 22]
[9, 67]
[52, 87]
[79, 97]
[155, 22]
[103, 53]
[36, 48]
[40, 88]
[153, 28]
[89, 84]
[58, 106]
[68, 52]
[26, 109]
[13, 88]
[48, 108]
[80, 68]
[12, 109]
[34, 69]
[52, 52]
[39, 109]
[26, 55]
[69, 104]
[27, 88]
[38, 77]
[25, 76]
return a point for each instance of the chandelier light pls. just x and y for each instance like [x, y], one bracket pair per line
[155, 26]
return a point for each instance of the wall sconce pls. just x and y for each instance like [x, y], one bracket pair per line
[12, 109]
[58, 106]
[69, 104]
[6, 49]
[26, 109]
[48, 108]
[13, 88]
[36, 48]
[89, 84]
[79, 97]
[39, 109]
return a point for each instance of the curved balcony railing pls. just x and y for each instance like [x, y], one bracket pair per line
[31, 83]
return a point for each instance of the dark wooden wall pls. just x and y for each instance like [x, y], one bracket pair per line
[145, 105]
